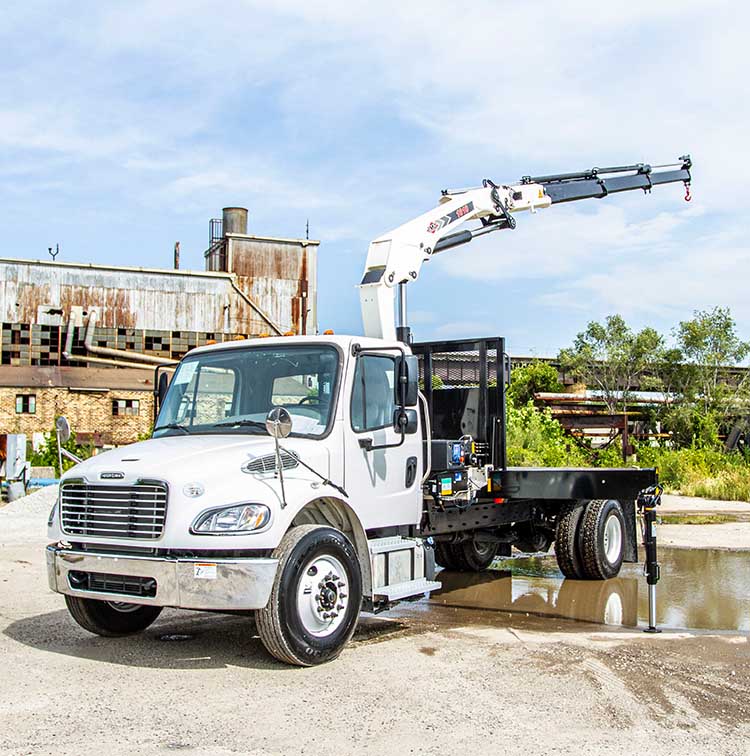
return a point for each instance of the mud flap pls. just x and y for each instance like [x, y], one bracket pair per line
[630, 547]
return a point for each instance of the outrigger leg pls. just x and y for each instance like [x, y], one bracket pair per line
[648, 500]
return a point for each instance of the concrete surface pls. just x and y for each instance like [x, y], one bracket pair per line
[421, 680]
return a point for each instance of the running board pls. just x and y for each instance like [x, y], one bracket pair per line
[401, 567]
[405, 590]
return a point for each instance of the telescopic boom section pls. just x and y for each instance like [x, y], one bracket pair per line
[396, 257]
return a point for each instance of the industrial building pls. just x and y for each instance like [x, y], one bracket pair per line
[83, 339]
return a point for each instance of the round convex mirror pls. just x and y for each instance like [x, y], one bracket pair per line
[63, 428]
[279, 423]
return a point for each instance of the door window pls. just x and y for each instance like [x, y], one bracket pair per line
[373, 395]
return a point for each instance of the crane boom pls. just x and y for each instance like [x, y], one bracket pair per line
[395, 258]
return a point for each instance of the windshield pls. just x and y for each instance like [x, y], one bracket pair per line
[232, 390]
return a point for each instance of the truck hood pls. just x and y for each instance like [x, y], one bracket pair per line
[191, 457]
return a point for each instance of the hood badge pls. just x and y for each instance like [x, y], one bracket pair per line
[112, 475]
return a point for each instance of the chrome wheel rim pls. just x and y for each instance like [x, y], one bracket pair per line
[323, 596]
[612, 538]
[121, 606]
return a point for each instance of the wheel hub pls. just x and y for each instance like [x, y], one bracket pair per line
[322, 602]
[612, 538]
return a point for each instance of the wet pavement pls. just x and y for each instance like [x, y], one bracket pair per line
[701, 589]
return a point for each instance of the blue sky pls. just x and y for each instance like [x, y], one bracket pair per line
[125, 126]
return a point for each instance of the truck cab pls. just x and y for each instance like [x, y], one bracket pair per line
[198, 516]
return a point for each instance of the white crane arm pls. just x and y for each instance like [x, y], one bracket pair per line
[397, 256]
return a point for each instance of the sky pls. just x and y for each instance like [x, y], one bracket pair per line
[126, 126]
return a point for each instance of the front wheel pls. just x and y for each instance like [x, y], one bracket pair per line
[316, 597]
[111, 619]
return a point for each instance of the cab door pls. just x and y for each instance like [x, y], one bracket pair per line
[384, 482]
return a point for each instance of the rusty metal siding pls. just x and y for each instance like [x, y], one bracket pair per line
[281, 276]
[126, 298]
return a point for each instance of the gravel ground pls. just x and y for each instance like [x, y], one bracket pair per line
[418, 680]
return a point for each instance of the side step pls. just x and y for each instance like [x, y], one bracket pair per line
[400, 591]
[401, 567]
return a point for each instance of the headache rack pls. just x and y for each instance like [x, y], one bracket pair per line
[464, 382]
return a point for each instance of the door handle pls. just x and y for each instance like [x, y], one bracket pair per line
[411, 471]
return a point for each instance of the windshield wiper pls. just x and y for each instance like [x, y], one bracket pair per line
[172, 426]
[236, 423]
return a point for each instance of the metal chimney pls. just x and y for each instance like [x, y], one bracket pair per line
[234, 220]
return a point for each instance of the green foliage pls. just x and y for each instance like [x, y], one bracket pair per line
[532, 379]
[47, 455]
[535, 438]
[611, 357]
[695, 471]
[437, 383]
[708, 343]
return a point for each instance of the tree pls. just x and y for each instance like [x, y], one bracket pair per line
[532, 379]
[612, 358]
[709, 344]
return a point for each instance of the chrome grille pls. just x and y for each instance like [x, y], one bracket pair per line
[113, 511]
[267, 463]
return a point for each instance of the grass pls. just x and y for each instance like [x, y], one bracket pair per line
[707, 473]
[696, 519]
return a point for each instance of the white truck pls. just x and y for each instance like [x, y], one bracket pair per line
[311, 478]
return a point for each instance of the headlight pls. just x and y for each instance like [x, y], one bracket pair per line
[51, 517]
[235, 520]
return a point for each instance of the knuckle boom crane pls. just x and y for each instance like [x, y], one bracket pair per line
[395, 258]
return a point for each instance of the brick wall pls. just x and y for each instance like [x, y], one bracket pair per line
[88, 413]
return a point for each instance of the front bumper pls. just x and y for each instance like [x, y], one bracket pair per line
[217, 584]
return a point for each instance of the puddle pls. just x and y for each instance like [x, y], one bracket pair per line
[699, 589]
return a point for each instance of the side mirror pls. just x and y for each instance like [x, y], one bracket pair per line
[279, 423]
[161, 390]
[62, 427]
[407, 385]
[405, 421]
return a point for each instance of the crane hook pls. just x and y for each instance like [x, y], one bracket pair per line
[688, 196]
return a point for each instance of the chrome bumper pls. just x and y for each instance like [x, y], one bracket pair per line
[183, 583]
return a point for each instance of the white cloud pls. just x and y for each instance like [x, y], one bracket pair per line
[358, 113]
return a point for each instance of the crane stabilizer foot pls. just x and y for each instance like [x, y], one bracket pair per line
[647, 501]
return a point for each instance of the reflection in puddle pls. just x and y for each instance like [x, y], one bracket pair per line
[699, 589]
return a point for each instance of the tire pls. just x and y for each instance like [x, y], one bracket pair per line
[567, 551]
[532, 540]
[602, 539]
[111, 619]
[290, 625]
[467, 556]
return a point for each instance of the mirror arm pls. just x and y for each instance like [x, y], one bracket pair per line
[367, 445]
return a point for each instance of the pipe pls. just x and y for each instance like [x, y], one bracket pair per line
[107, 352]
[256, 308]
[69, 336]
[104, 361]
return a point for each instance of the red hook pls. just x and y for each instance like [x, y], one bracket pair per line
[688, 196]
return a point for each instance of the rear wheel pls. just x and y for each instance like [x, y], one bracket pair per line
[467, 556]
[111, 619]
[316, 597]
[602, 539]
[566, 540]
[532, 540]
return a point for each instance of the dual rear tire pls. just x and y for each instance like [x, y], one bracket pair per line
[590, 539]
